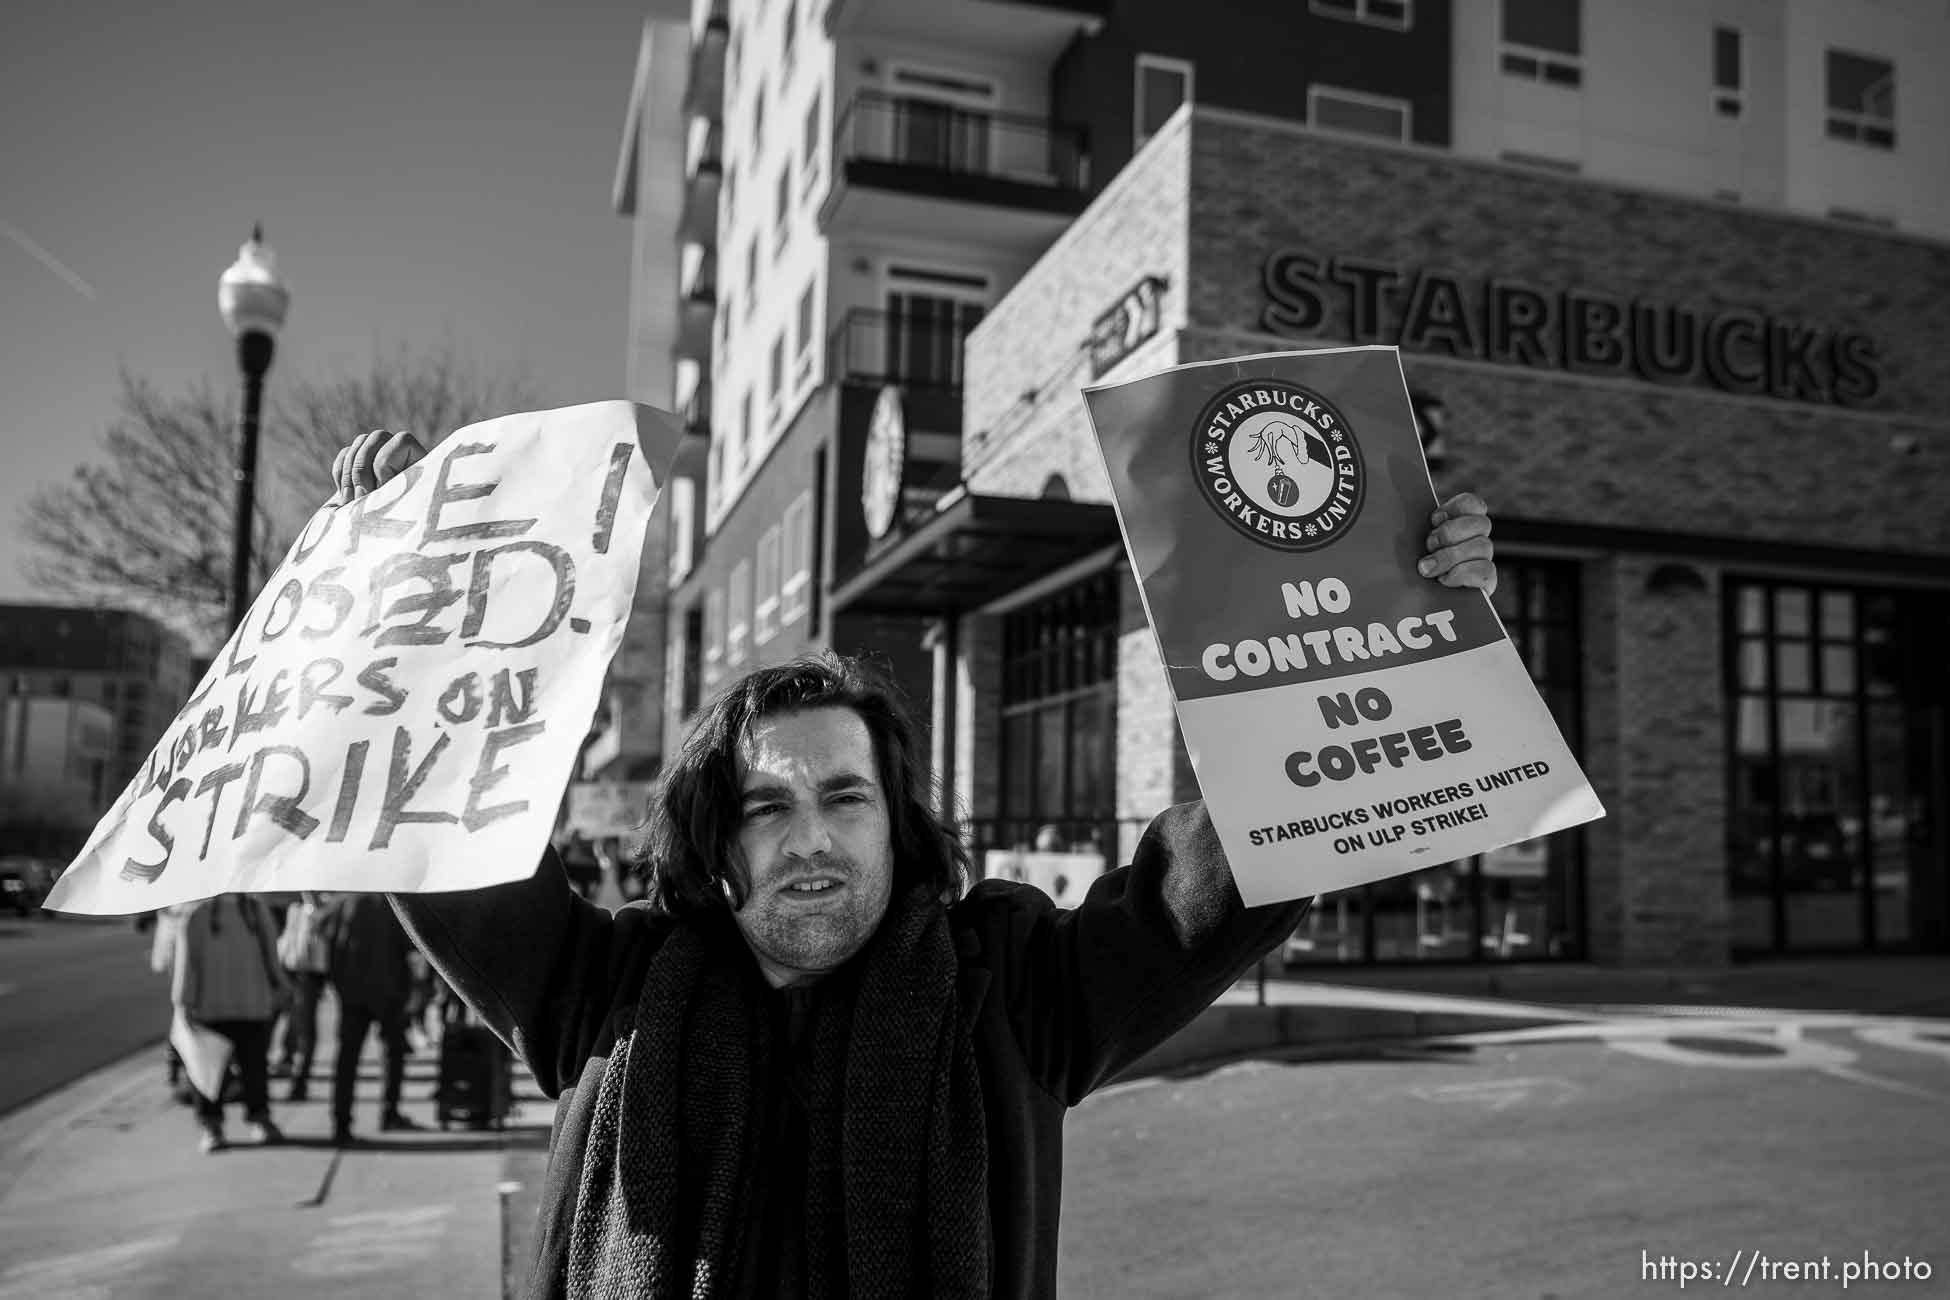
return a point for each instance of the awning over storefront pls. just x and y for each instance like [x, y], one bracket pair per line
[973, 550]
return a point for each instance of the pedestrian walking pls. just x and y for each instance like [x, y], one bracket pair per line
[226, 979]
[167, 924]
[813, 1061]
[303, 953]
[370, 973]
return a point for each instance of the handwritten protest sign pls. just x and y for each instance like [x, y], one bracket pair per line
[402, 705]
[1348, 719]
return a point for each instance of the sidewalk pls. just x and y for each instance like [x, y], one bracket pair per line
[103, 1191]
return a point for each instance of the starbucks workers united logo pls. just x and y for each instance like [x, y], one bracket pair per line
[1279, 462]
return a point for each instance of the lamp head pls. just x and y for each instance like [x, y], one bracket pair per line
[250, 295]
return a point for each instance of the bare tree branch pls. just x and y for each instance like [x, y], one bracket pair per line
[148, 527]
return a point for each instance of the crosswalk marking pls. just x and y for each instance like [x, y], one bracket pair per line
[82, 1275]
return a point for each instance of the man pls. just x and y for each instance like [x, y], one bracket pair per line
[371, 973]
[808, 1064]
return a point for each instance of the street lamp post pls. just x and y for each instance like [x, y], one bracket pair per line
[253, 302]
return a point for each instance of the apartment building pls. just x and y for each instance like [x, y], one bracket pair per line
[1668, 282]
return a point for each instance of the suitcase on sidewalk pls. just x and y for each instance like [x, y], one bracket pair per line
[476, 1081]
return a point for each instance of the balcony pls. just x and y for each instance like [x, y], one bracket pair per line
[1035, 31]
[695, 413]
[697, 302]
[704, 83]
[697, 223]
[876, 348]
[916, 168]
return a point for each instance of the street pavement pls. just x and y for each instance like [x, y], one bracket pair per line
[75, 994]
[1564, 1161]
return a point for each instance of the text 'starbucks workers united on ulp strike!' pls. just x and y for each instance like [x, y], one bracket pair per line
[1347, 718]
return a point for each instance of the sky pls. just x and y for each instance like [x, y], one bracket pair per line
[431, 174]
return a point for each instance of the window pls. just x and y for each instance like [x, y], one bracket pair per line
[751, 275]
[1059, 695]
[745, 433]
[1827, 782]
[924, 337]
[1351, 110]
[1862, 99]
[1522, 901]
[758, 122]
[795, 558]
[739, 627]
[767, 605]
[1543, 41]
[714, 484]
[692, 662]
[713, 636]
[1726, 71]
[809, 146]
[781, 208]
[1162, 85]
[683, 509]
[775, 380]
[802, 348]
[1398, 14]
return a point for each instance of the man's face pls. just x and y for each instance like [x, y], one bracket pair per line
[814, 839]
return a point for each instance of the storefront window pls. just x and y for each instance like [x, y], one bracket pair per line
[1836, 782]
[1059, 708]
[1521, 902]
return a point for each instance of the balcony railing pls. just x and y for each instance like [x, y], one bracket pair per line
[696, 412]
[876, 347]
[922, 137]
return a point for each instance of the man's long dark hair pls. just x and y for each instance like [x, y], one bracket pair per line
[689, 844]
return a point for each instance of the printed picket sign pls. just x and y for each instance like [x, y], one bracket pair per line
[1347, 718]
[402, 705]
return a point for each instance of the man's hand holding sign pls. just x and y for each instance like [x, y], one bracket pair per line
[401, 705]
[1347, 722]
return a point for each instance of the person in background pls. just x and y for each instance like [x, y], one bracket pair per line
[579, 861]
[225, 977]
[166, 924]
[302, 953]
[370, 972]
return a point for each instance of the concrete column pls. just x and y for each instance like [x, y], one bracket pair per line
[978, 715]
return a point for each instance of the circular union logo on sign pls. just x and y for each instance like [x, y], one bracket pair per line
[1279, 462]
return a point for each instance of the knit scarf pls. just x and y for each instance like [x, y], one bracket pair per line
[897, 1156]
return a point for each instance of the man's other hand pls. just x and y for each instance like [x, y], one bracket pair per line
[371, 459]
[1460, 552]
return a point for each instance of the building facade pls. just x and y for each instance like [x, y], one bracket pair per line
[84, 696]
[1667, 280]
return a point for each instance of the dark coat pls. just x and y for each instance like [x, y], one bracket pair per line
[369, 954]
[1062, 1001]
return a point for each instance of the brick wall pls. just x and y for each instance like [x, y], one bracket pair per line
[1655, 752]
[1259, 186]
[1026, 361]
